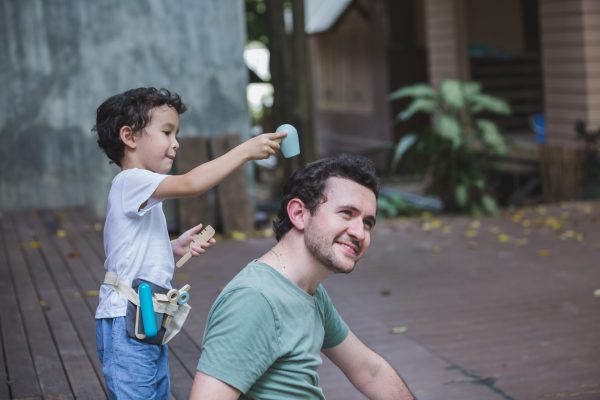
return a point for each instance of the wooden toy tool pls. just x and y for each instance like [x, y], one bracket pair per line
[204, 236]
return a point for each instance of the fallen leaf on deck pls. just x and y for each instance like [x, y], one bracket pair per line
[471, 233]
[61, 233]
[597, 293]
[237, 235]
[34, 244]
[399, 329]
[91, 293]
[545, 253]
[503, 238]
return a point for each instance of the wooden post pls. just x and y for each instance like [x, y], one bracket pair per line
[199, 209]
[235, 208]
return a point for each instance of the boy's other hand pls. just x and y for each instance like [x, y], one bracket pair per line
[264, 145]
[185, 242]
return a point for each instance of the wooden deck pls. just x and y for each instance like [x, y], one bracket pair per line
[482, 316]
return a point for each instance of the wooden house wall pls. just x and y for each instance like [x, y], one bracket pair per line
[349, 72]
[571, 60]
[446, 40]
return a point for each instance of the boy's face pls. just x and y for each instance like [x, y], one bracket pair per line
[157, 143]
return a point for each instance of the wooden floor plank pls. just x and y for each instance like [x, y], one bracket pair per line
[496, 323]
[18, 368]
[77, 343]
[60, 308]
[50, 372]
[4, 390]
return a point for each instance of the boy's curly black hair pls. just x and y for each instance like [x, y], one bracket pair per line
[130, 108]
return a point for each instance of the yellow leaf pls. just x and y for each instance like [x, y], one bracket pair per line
[521, 242]
[553, 223]
[237, 235]
[181, 277]
[91, 293]
[471, 233]
[579, 237]
[526, 223]
[545, 253]
[97, 227]
[503, 238]
[399, 329]
[61, 233]
[475, 224]
[541, 210]
[34, 244]
[436, 223]
[597, 293]
[267, 232]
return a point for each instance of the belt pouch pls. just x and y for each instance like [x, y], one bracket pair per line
[133, 315]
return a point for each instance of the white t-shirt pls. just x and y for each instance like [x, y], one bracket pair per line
[136, 239]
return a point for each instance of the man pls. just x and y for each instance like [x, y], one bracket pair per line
[266, 330]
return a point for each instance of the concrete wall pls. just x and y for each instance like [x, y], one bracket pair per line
[59, 59]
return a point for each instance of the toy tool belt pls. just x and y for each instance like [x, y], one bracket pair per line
[169, 305]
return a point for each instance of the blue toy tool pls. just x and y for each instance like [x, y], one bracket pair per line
[290, 146]
[147, 310]
[184, 297]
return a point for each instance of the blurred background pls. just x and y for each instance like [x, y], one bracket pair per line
[509, 89]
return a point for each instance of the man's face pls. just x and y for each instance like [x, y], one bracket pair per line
[339, 233]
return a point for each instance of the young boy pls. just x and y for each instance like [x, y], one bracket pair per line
[138, 131]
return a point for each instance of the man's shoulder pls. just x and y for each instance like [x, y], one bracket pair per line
[253, 277]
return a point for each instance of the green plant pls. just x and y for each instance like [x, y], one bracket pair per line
[458, 142]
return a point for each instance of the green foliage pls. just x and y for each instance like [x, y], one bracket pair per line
[458, 143]
[256, 21]
[394, 206]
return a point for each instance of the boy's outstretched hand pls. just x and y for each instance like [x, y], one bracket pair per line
[185, 242]
[263, 146]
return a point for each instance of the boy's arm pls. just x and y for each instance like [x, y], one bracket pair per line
[207, 175]
[368, 371]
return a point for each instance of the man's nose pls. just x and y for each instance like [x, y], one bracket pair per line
[357, 229]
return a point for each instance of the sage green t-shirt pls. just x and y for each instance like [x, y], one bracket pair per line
[264, 336]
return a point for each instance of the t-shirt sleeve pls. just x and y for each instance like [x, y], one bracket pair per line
[139, 186]
[241, 339]
[336, 329]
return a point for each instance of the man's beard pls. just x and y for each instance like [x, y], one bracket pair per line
[319, 249]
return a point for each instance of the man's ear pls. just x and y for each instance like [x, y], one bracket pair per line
[297, 213]
[127, 136]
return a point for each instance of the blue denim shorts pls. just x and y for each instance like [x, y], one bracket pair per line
[132, 369]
